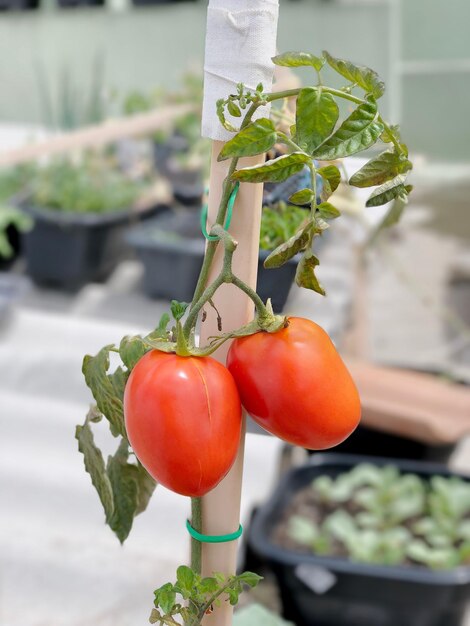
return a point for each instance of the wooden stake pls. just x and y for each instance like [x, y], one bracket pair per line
[221, 507]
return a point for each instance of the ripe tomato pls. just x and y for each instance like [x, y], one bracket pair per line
[295, 385]
[183, 420]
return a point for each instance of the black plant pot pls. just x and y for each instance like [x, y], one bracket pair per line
[13, 237]
[18, 5]
[171, 247]
[67, 250]
[72, 4]
[327, 591]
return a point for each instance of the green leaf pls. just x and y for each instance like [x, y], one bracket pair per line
[185, 578]
[331, 179]
[95, 370]
[257, 138]
[161, 331]
[178, 309]
[94, 465]
[124, 482]
[220, 107]
[315, 118]
[298, 59]
[380, 169]
[358, 132]
[119, 380]
[392, 189]
[361, 75]
[305, 274]
[274, 171]
[291, 247]
[390, 134]
[165, 597]
[233, 109]
[131, 350]
[302, 197]
[327, 211]
[249, 578]
[208, 585]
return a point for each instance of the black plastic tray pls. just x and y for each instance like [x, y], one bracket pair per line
[349, 593]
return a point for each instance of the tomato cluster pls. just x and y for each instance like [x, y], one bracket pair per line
[183, 414]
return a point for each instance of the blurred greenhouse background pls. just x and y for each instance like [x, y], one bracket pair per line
[91, 248]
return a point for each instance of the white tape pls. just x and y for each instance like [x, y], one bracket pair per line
[240, 41]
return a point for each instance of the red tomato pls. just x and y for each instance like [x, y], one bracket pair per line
[183, 420]
[295, 385]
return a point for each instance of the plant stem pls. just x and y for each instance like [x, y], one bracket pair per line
[196, 523]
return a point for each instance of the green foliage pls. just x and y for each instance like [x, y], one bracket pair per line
[380, 170]
[359, 75]
[257, 138]
[315, 119]
[198, 596]
[298, 59]
[93, 185]
[389, 191]
[288, 249]
[305, 275]
[123, 485]
[274, 171]
[381, 516]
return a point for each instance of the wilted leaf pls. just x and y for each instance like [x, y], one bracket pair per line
[316, 117]
[305, 274]
[298, 59]
[95, 370]
[327, 211]
[359, 74]
[331, 179]
[131, 350]
[274, 171]
[124, 482]
[94, 465]
[290, 248]
[380, 169]
[358, 132]
[392, 189]
[257, 138]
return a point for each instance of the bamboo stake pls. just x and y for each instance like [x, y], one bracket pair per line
[96, 136]
[221, 507]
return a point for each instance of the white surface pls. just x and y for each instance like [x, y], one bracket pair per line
[240, 41]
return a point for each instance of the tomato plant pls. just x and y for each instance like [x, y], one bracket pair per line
[183, 420]
[176, 410]
[295, 384]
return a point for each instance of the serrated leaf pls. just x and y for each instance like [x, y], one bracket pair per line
[94, 465]
[327, 211]
[165, 597]
[301, 197]
[95, 370]
[331, 179]
[220, 108]
[257, 138]
[389, 191]
[380, 169]
[358, 132]
[359, 74]
[290, 248]
[305, 274]
[131, 350]
[315, 118]
[185, 577]
[274, 171]
[298, 59]
[124, 482]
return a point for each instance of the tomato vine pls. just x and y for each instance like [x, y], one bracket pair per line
[316, 140]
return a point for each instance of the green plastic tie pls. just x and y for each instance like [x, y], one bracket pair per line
[213, 538]
[230, 204]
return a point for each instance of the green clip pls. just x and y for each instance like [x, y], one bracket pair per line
[230, 204]
[213, 538]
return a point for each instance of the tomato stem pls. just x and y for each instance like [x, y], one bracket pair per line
[196, 523]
